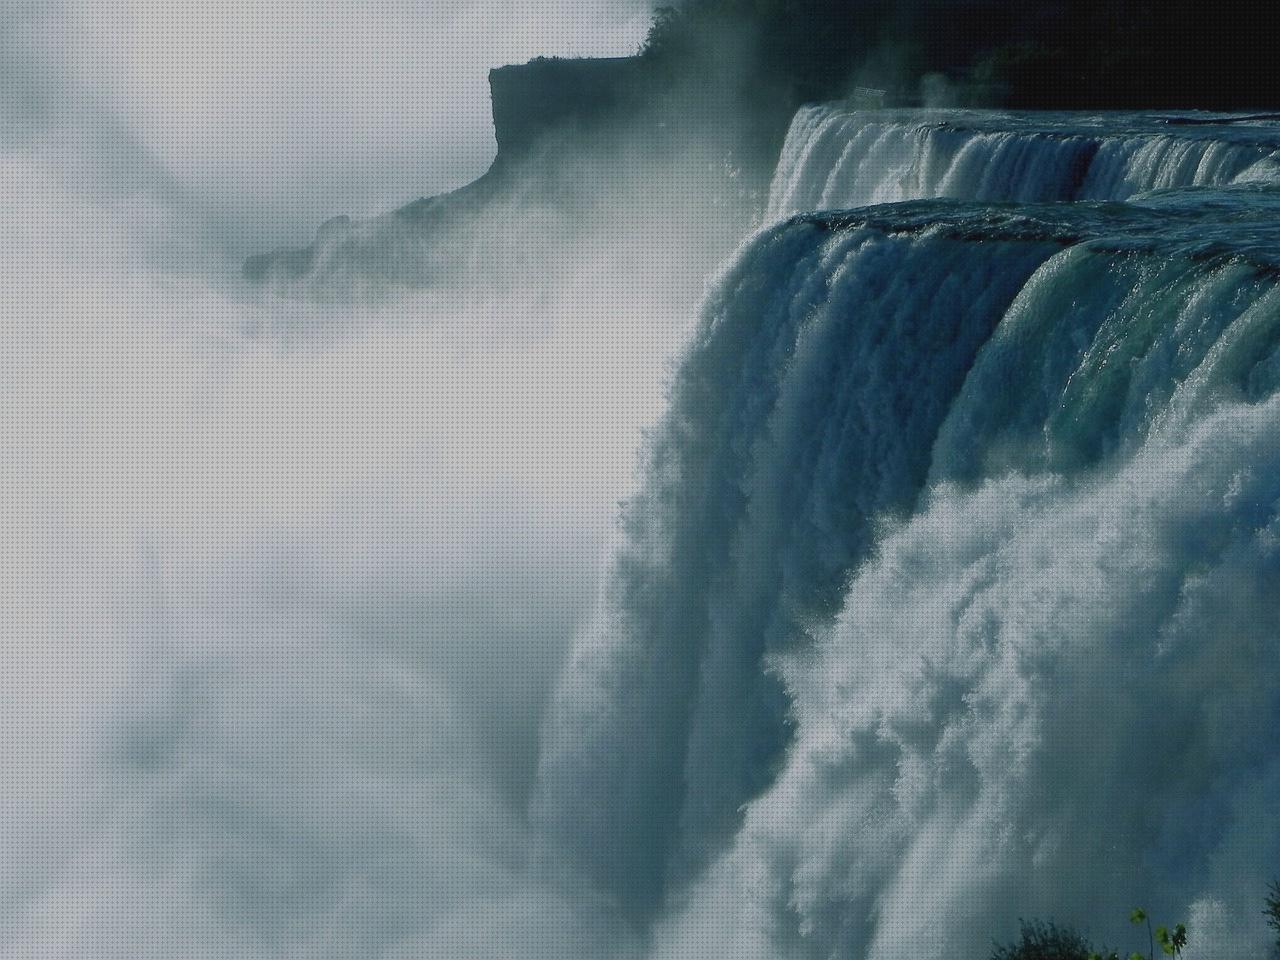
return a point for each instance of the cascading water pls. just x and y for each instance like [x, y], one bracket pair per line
[836, 158]
[949, 598]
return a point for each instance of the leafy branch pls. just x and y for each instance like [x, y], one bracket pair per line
[1171, 942]
[1272, 912]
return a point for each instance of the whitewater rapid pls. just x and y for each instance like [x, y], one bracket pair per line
[947, 601]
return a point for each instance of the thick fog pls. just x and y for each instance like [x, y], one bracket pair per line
[286, 586]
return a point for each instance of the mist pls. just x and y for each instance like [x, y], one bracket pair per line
[265, 121]
[287, 584]
[265, 585]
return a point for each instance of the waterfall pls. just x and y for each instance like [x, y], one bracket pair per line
[837, 158]
[917, 619]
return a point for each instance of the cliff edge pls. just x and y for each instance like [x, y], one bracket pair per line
[533, 99]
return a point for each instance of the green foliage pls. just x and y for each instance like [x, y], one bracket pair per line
[1042, 940]
[1045, 941]
[1171, 943]
[1272, 912]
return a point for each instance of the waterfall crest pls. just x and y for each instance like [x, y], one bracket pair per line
[838, 158]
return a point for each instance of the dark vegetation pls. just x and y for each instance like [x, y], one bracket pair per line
[1059, 54]
[1042, 940]
[1045, 941]
[1272, 913]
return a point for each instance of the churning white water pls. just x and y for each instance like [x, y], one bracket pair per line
[948, 600]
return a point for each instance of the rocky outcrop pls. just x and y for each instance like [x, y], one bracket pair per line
[546, 114]
[589, 151]
[533, 99]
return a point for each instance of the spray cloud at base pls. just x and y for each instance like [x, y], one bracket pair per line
[290, 581]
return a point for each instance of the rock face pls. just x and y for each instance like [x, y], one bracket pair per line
[535, 98]
[589, 151]
[551, 119]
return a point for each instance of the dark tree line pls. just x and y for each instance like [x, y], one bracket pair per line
[1057, 54]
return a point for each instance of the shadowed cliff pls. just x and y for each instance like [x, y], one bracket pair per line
[609, 152]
